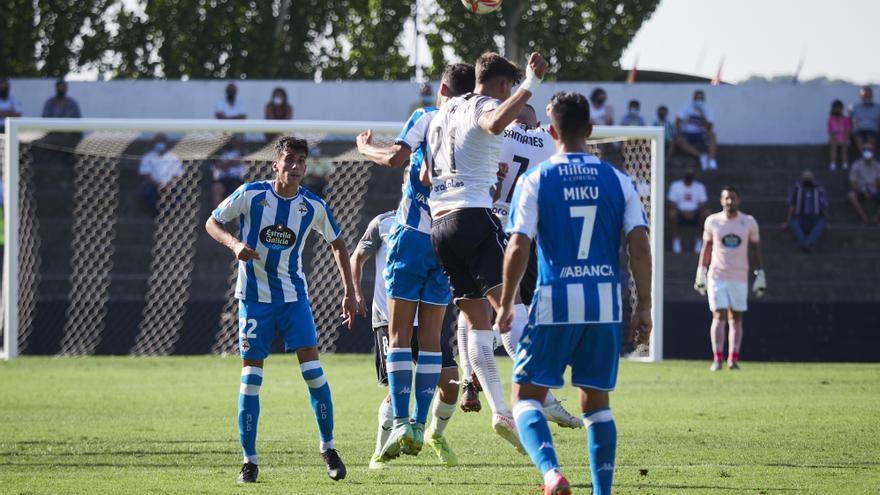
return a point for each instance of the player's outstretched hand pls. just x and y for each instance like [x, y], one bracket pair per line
[538, 65]
[640, 327]
[350, 308]
[244, 252]
[365, 138]
[504, 319]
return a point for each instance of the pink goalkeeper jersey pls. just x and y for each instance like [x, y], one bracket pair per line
[730, 239]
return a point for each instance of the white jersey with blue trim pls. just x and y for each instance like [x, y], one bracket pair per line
[523, 150]
[413, 211]
[577, 206]
[276, 228]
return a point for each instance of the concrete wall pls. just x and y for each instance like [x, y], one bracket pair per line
[749, 114]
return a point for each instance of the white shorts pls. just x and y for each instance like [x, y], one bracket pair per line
[727, 294]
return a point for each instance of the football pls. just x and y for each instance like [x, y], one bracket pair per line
[482, 6]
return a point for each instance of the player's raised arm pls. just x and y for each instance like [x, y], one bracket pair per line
[496, 120]
[394, 156]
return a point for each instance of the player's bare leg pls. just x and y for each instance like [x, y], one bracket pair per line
[717, 333]
[601, 437]
[400, 373]
[535, 435]
[734, 340]
[470, 397]
[248, 416]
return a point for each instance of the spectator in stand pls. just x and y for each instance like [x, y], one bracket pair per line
[839, 130]
[61, 105]
[864, 176]
[426, 98]
[9, 106]
[687, 201]
[695, 129]
[633, 114]
[600, 112]
[668, 129]
[278, 107]
[230, 107]
[865, 119]
[228, 170]
[807, 211]
[158, 169]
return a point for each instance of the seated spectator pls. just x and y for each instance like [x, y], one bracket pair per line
[695, 129]
[426, 98]
[600, 112]
[839, 129]
[863, 181]
[61, 105]
[228, 170]
[633, 115]
[229, 107]
[865, 119]
[278, 107]
[9, 106]
[807, 211]
[158, 168]
[687, 206]
[668, 129]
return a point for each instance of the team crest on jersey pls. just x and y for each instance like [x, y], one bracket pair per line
[277, 237]
[302, 209]
[264, 203]
[731, 240]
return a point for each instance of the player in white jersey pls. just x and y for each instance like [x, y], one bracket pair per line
[464, 146]
[525, 146]
[414, 278]
[275, 218]
[374, 243]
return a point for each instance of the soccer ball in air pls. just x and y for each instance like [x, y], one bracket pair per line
[482, 6]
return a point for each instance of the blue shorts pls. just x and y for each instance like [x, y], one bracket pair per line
[694, 138]
[258, 323]
[412, 272]
[591, 350]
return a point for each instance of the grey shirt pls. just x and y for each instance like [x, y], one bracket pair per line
[66, 108]
[375, 243]
[865, 117]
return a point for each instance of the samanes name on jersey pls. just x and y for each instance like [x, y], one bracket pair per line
[517, 134]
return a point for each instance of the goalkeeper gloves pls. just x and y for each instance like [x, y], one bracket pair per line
[760, 284]
[700, 281]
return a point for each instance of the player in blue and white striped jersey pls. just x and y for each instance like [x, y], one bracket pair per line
[576, 207]
[413, 276]
[274, 219]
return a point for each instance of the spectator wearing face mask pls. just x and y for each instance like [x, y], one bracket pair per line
[864, 176]
[807, 211]
[230, 107]
[61, 105]
[158, 168]
[426, 98]
[865, 117]
[695, 130]
[687, 206]
[668, 130]
[633, 114]
[9, 106]
[839, 130]
[601, 113]
[278, 107]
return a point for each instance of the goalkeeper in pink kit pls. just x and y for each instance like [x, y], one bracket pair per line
[730, 238]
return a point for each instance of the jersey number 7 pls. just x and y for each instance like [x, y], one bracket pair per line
[588, 213]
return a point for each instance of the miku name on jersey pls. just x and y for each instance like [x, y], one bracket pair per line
[580, 193]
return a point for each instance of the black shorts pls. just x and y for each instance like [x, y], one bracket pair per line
[380, 339]
[530, 277]
[692, 221]
[469, 243]
[866, 135]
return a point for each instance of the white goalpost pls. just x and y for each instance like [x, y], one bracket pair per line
[85, 272]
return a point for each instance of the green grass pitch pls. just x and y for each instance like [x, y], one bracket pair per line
[168, 425]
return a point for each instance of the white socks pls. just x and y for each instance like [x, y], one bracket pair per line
[386, 418]
[442, 413]
[481, 349]
[461, 335]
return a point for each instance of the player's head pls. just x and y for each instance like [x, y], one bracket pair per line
[527, 117]
[496, 75]
[569, 114]
[729, 199]
[662, 112]
[290, 160]
[457, 79]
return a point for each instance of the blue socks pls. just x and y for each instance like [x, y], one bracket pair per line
[601, 443]
[319, 396]
[427, 375]
[534, 433]
[249, 411]
[398, 364]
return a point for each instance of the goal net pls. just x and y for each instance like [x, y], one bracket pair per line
[100, 260]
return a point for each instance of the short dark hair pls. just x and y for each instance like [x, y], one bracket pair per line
[634, 103]
[570, 114]
[491, 65]
[700, 92]
[595, 93]
[729, 188]
[290, 144]
[662, 107]
[459, 78]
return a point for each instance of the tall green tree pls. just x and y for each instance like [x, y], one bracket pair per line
[583, 40]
